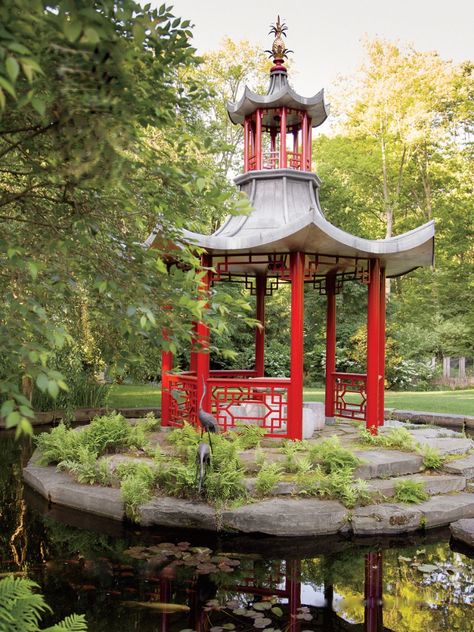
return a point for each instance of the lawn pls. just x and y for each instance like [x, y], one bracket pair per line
[454, 402]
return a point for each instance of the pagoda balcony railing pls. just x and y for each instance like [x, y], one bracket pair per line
[237, 397]
[271, 160]
[350, 395]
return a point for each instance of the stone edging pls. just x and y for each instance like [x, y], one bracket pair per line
[276, 516]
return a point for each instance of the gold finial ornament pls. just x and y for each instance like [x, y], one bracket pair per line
[278, 52]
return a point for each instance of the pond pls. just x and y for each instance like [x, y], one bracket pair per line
[126, 579]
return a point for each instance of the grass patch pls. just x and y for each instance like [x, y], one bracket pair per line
[451, 402]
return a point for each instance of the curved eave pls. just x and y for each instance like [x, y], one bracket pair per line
[286, 97]
[314, 234]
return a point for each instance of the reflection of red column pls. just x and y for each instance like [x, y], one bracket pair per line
[261, 282]
[382, 350]
[373, 590]
[165, 597]
[202, 335]
[295, 389]
[166, 366]
[330, 346]
[293, 589]
[373, 341]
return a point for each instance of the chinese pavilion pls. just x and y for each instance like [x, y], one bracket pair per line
[287, 239]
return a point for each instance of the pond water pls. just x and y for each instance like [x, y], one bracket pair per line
[126, 579]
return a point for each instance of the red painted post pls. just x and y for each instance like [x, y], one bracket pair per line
[373, 591]
[261, 284]
[246, 145]
[295, 390]
[202, 334]
[382, 349]
[258, 140]
[330, 346]
[373, 343]
[283, 163]
[304, 142]
[166, 366]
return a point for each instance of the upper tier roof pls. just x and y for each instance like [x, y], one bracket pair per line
[279, 94]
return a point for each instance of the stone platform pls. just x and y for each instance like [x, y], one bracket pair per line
[451, 492]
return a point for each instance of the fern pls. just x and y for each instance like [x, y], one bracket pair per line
[267, 478]
[21, 609]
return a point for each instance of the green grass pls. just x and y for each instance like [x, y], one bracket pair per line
[454, 402]
[134, 396]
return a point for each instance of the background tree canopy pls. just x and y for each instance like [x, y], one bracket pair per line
[110, 126]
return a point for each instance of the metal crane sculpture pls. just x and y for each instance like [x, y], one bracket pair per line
[208, 421]
[203, 460]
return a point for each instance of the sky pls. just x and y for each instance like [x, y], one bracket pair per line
[326, 37]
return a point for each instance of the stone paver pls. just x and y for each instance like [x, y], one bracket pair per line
[463, 530]
[442, 510]
[464, 467]
[448, 445]
[385, 463]
[442, 484]
[175, 512]
[386, 519]
[288, 517]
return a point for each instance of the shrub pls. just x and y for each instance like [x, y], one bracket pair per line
[184, 438]
[290, 449]
[107, 432]
[267, 478]
[136, 486]
[85, 467]
[410, 492]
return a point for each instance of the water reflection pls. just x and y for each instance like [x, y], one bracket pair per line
[125, 580]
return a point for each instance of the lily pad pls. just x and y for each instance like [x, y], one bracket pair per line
[427, 568]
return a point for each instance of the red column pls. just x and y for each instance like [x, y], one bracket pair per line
[330, 346]
[166, 366]
[373, 343]
[258, 140]
[202, 335]
[261, 284]
[373, 590]
[246, 145]
[382, 349]
[304, 142]
[295, 391]
[283, 139]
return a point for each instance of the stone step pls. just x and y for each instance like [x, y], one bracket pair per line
[464, 467]
[434, 484]
[381, 488]
[391, 518]
[387, 463]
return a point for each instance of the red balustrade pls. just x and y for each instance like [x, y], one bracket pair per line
[257, 401]
[350, 395]
[183, 404]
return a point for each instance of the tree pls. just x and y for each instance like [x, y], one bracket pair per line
[99, 139]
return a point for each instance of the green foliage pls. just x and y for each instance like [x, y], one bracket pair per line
[21, 609]
[432, 458]
[136, 487]
[224, 483]
[410, 492]
[337, 484]
[397, 438]
[178, 478]
[86, 468]
[268, 476]
[250, 436]
[333, 456]
[184, 439]
[291, 449]
[106, 433]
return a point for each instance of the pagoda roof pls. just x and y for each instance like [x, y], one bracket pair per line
[280, 94]
[287, 217]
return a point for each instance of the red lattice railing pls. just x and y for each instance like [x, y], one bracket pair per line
[350, 395]
[183, 405]
[258, 401]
